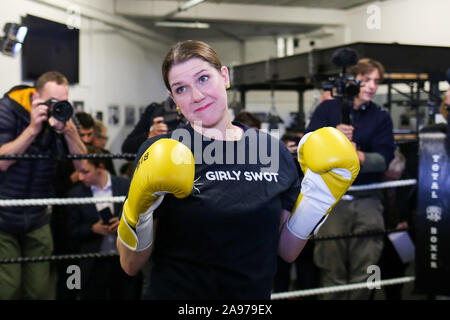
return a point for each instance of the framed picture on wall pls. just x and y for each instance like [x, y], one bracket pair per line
[78, 106]
[129, 116]
[99, 115]
[113, 115]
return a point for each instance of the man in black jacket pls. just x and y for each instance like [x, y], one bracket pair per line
[157, 119]
[344, 261]
[27, 127]
[93, 227]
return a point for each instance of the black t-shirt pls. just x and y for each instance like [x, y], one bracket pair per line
[221, 242]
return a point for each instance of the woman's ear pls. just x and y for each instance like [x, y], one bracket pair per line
[226, 76]
[177, 108]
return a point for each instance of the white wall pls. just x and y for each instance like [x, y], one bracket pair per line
[404, 21]
[118, 70]
[233, 52]
[117, 67]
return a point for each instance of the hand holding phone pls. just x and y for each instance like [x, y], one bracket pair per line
[106, 215]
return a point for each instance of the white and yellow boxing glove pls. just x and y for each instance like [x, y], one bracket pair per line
[167, 166]
[330, 165]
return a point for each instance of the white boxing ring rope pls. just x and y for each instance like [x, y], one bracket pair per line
[384, 185]
[58, 201]
[344, 287]
[77, 201]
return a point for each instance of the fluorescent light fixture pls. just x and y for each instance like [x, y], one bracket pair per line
[176, 24]
[21, 33]
[11, 43]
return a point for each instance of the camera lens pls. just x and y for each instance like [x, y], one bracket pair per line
[60, 110]
[352, 89]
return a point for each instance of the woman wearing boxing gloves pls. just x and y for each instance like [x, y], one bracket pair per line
[208, 207]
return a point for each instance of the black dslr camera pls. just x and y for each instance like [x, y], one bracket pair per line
[172, 118]
[347, 87]
[167, 110]
[60, 110]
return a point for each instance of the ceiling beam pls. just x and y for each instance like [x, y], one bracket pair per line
[115, 21]
[186, 6]
[233, 13]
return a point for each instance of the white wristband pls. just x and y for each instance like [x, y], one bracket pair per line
[315, 203]
[142, 234]
[144, 231]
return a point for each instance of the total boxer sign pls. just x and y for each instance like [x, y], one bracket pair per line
[433, 216]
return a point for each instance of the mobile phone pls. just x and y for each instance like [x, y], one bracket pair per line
[106, 215]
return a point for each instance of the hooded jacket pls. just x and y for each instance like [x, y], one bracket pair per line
[24, 179]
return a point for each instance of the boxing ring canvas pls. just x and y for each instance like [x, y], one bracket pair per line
[433, 219]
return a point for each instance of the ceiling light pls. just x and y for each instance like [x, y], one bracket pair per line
[15, 31]
[176, 24]
[11, 43]
[10, 47]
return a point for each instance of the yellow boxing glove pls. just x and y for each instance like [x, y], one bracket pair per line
[330, 165]
[167, 166]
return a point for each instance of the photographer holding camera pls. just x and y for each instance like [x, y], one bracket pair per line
[31, 123]
[370, 130]
[157, 119]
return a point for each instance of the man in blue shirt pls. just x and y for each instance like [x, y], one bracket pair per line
[371, 132]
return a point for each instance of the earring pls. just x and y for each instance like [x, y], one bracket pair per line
[228, 86]
[178, 108]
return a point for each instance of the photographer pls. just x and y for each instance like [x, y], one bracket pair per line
[28, 125]
[158, 118]
[371, 132]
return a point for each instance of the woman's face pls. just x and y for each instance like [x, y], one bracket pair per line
[199, 90]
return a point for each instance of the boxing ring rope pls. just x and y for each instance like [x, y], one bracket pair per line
[61, 257]
[31, 156]
[369, 233]
[340, 288]
[79, 201]
[384, 185]
[58, 201]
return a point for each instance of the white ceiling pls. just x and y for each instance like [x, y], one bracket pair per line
[239, 19]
